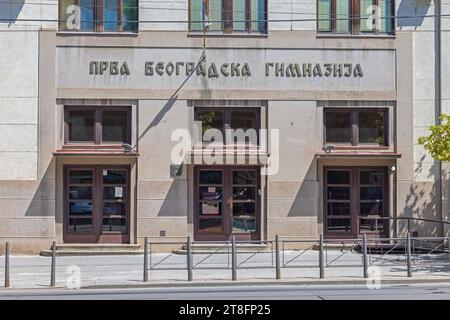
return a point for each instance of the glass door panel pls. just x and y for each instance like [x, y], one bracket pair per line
[211, 209]
[114, 200]
[80, 201]
[338, 201]
[243, 199]
[371, 200]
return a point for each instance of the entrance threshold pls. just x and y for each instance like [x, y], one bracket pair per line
[84, 249]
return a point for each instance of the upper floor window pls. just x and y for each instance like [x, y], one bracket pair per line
[97, 125]
[228, 15]
[356, 127]
[243, 124]
[356, 16]
[98, 15]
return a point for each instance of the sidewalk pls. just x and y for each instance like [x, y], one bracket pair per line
[127, 271]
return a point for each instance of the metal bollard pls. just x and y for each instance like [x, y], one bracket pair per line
[189, 258]
[365, 264]
[408, 255]
[145, 259]
[53, 268]
[321, 258]
[277, 257]
[7, 282]
[233, 259]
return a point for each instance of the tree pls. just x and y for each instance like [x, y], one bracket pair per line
[438, 142]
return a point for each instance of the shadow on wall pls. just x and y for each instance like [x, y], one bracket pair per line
[421, 204]
[413, 11]
[10, 10]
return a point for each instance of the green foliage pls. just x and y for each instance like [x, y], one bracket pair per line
[438, 142]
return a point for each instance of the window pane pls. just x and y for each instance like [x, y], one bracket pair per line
[114, 208]
[114, 176]
[337, 127]
[210, 177]
[80, 193]
[80, 225]
[371, 193]
[114, 193]
[215, 15]
[338, 209]
[371, 127]
[81, 126]
[196, 15]
[367, 12]
[210, 193]
[245, 126]
[371, 208]
[239, 20]
[80, 177]
[111, 15]
[385, 16]
[114, 224]
[244, 225]
[115, 126]
[342, 16]
[244, 209]
[129, 15]
[210, 226]
[87, 15]
[371, 225]
[341, 225]
[338, 193]
[324, 15]
[80, 208]
[244, 177]
[66, 11]
[244, 193]
[210, 120]
[371, 177]
[257, 15]
[210, 208]
[338, 177]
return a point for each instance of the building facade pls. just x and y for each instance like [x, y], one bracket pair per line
[117, 119]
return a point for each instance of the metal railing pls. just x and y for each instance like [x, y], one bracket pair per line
[281, 255]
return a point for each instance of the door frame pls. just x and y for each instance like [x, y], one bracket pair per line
[355, 204]
[97, 196]
[227, 219]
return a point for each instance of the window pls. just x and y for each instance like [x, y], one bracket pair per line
[356, 126]
[356, 16]
[215, 122]
[98, 15]
[229, 15]
[355, 200]
[96, 125]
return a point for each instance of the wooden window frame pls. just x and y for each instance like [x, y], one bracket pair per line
[227, 18]
[98, 125]
[354, 186]
[97, 234]
[227, 119]
[355, 20]
[354, 127]
[98, 6]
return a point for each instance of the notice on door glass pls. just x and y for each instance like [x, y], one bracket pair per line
[118, 192]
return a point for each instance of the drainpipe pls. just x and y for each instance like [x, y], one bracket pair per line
[438, 102]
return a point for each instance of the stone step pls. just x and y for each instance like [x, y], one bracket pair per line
[94, 249]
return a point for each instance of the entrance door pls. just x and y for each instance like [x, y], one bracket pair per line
[97, 200]
[354, 198]
[227, 203]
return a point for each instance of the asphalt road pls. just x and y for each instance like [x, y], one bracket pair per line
[434, 291]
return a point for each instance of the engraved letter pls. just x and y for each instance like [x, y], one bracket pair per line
[149, 68]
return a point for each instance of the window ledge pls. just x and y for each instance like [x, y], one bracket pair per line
[355, 36]
[226, 35]
[95, 34]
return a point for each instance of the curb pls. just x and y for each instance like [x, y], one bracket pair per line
[314, 282]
